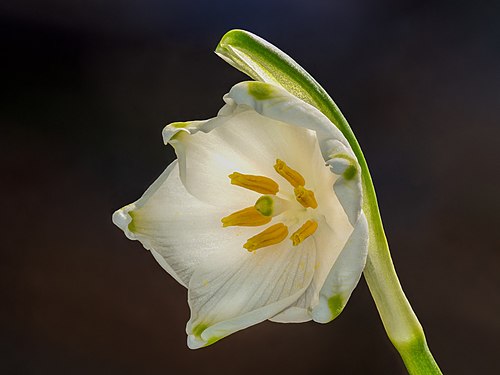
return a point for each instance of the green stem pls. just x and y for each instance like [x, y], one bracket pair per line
[400, 322]
[264, 62]
[418, 358]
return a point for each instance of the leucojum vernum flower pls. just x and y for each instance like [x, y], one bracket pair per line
[267, 212]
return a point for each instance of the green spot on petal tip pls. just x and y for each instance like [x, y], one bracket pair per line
[260, 91]
[213, 340]
[336, 305]
[131, 226]
[179, 125]
[265, 205]
[350, 172]
[198, 330]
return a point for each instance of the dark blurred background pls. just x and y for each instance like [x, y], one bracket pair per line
[87, 87]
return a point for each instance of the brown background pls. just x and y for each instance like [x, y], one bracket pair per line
[87, 87]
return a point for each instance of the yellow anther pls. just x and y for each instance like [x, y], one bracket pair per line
[305, 197]
[248, 217]
[291, 175]
[260, 184]
[306, 230]
[271, 236]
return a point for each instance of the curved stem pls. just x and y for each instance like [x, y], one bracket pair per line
[400, 322]
[264, 62]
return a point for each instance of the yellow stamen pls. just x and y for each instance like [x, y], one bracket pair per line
[271, 236]
[305, 197]
[260, 184]
[306, 230]
[291, 175]
[248, 217]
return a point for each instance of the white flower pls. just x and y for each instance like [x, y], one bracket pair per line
[260, 217]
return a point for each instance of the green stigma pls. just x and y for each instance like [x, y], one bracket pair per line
[265, 205]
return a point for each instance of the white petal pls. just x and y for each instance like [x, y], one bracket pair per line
[122, 218]
[246, 142]
[293, 314]
[235, 291]
[344, 275]
[329, 243]
[276, 103]
[347, 187]
[180, 230]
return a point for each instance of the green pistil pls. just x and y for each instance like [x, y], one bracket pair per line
[265, 205]
[336, 305]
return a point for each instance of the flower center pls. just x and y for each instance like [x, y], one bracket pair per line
[270, 205]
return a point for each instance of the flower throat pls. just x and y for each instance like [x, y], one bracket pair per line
[270, 205]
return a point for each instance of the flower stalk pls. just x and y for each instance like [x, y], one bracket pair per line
[264, 62]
